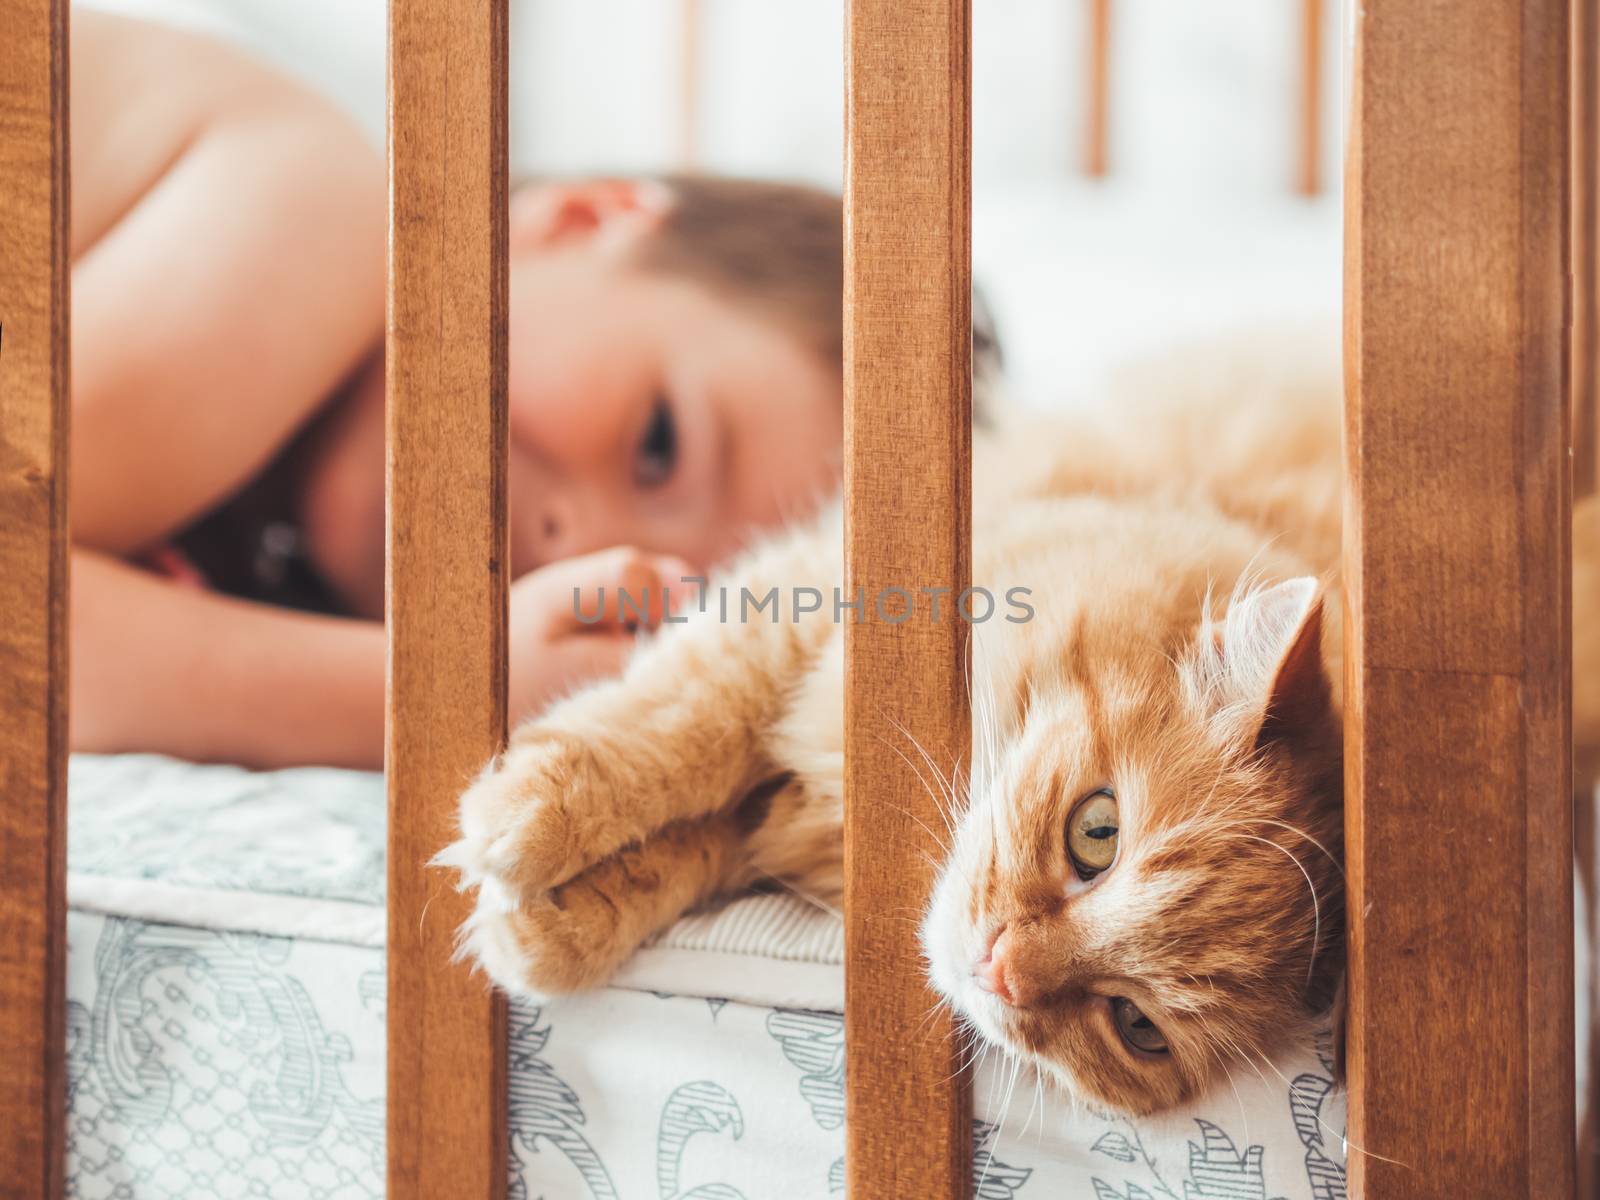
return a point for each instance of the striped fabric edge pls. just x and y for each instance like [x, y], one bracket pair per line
[777, 927]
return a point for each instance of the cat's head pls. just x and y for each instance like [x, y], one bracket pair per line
[1145, 888]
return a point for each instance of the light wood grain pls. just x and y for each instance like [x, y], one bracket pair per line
[1584, 87]
[447, 563]
[1585, 109]
[33, 595]
[1308, 151]
[1097, 122]
[908, 352]
[1458, 662]
[691, 34]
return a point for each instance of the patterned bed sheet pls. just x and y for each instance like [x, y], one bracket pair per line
[225, 1035]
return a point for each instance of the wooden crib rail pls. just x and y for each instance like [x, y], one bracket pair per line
[1097, 73]
[447, 575]
[1585, 357]
[1458, 637]
[690, 83]
[33, 595]
[1307, 99]
[1308, 139]
[908, 379]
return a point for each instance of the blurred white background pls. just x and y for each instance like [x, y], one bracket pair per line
[1196, 229]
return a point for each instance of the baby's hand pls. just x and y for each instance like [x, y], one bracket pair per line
[574, 620]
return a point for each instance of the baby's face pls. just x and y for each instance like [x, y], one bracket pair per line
[646, 410]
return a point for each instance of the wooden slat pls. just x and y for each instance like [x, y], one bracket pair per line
[33, 595]
[1457, 556]
[1585, 215]
[908, 344]
[1097, 123]
[1308, 153]
[1584, 87]
[691, 34]
[447, 562]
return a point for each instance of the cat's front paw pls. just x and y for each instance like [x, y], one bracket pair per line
[564, 941]
[538, 927]
[520, 831]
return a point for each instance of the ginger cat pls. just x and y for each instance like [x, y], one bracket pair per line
[1144, 887]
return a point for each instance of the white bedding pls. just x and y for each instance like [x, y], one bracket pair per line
[226, 1034]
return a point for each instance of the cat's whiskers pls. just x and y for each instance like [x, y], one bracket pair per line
[1342, 1135]
[975, 1048]
[947, 790]
[1214, 1044]
[931, 1012]
[1344, 1140]
[933, 863]
[1272, 1066]
[1196, 825]
[800, 893]
[1028, 1120]
[904, 912]
[1005, 1111]
[1300, 833]
[985, 750]
[1316, 902]
[973, 1065]
[960, 797]
[1242, 1054]
[1193, 1006]
[1244, 1117]
[995, 1070]
[939, 802]
[986, 726]
[926, 828]
[1038, 1086]
[944, 782]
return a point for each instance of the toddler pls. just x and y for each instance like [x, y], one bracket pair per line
[674, 388]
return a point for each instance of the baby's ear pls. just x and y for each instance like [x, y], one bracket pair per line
[1270, 645]
[619, 211]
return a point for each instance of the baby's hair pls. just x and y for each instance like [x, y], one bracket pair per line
[777, 247]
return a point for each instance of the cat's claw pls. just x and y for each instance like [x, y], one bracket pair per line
[540, 948]
[537, 927]
[562, 902]
[515, 822]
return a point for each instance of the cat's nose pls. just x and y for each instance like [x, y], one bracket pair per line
[990, 970]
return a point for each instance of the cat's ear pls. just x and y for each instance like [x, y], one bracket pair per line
[1270, 646]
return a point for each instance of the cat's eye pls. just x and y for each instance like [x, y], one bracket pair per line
[656, 456]
[1092, 831]
[1138, 1030]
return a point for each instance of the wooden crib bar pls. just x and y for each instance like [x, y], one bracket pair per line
[33, 595]
[1458, 640]
[447, 575]
[908, 378]
[1585, 116]
[1308, 143]
[1308, 86]
[1097, 64]
[691, 82]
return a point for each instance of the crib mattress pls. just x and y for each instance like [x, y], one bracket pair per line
[225, 1034]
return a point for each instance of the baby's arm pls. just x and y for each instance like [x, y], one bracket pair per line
[228, 259]
[163, 667]
[227, 246]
